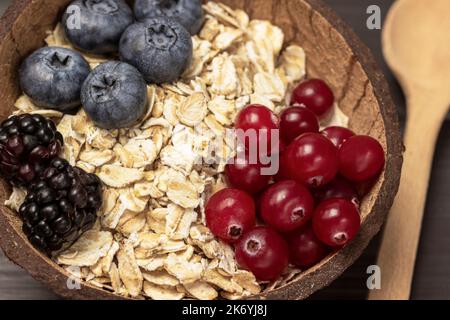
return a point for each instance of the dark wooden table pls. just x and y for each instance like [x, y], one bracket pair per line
[432, 273]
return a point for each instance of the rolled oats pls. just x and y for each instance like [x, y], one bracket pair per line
[154, 263]
[201, 290]
[182, 192]
[129, 271]
[96, 157]
[24, 105]
[131, 224]
[88, 249]
[227, 37]
[270, 86]
[210, 29]
[223, 282]
[162, 292]
[105, 263]
[247, 281]
[293, 62]
[184, 225]
[222, 13]
[16, 198]
[118, 177]
[48, 113]
[184, 271]
[192, 110]
[223, 110]
[224, 77]
[116, 283]
[161, 278]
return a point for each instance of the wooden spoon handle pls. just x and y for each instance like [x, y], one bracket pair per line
[402, 231]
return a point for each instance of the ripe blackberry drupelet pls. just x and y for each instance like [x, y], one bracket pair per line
[60, 206]
[27, 144]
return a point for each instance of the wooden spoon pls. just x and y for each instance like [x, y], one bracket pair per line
[416, 45]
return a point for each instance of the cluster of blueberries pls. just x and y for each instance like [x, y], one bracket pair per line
[154, 45]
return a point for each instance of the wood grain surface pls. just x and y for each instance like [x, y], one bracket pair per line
[432, 275]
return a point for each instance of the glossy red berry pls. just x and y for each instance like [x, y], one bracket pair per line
[258, 123]
[263, 252]
[361, 158]
[336, 222]
[314, 94]
[286, 206]
[364, 188]
[283, 172]
[246, 174]
[338, 188]
[304, 247]
[230, 213]
[338, 135]
[295, 121]
[311, 160]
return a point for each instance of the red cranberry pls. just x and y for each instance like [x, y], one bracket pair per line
[312, 160]
[286, 206]
[361, 158]
[314, 94]
[262, 121]
[230, 213]
[263, 252]
[295, 121]
[281, 146]
[336, 222]
[246, 176]
[258, 199]
[305, 249]
[283, 172]
[339, 188]
[364, 188]
[338, 135]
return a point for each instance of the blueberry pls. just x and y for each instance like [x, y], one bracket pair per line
[160, 48]
[100, 25]
[52, 77]
[114, 95]
[189, 13]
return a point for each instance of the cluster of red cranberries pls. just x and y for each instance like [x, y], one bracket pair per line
[312, 205]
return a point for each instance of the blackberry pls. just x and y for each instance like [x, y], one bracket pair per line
[60, 206]
[27, 143]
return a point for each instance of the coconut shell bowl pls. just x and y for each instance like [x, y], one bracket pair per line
[334, 53]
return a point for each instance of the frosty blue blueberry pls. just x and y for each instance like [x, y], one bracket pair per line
[52, 77]
[99, 26]
[189, 13]
[114, 95]
[160, 48]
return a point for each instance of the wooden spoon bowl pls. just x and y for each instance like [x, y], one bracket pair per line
[334, 54]
[423, 73]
